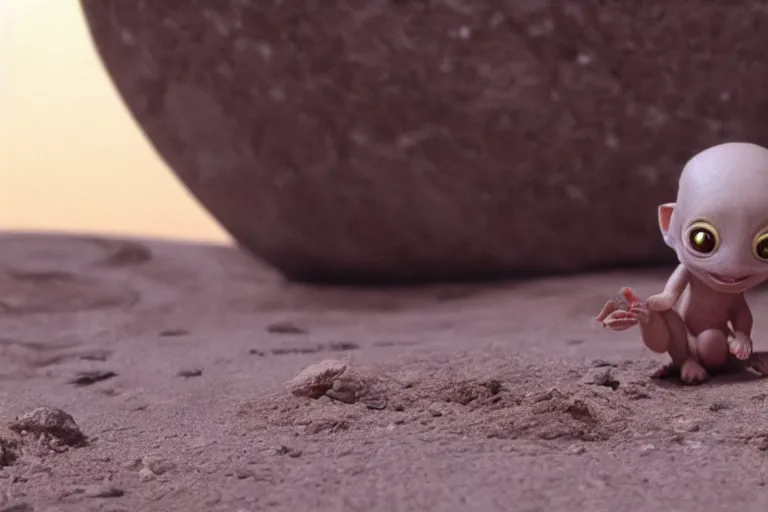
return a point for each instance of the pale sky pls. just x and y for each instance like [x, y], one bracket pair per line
[71, 157]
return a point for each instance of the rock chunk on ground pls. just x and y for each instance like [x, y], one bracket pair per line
[316, 379]
[10, 447]
[53, 426]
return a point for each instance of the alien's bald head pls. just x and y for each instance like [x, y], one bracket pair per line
[720, 215]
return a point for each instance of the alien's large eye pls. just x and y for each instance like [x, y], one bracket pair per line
[703, 238]
[760, 247]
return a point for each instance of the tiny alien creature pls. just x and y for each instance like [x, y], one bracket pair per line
[719, 229]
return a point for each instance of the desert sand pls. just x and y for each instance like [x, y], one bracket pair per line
[172, 359]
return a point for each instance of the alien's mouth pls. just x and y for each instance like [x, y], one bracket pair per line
[727, 280]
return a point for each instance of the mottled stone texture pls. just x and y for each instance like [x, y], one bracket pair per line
[444, 139]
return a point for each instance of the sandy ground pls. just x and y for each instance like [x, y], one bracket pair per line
[172, 360]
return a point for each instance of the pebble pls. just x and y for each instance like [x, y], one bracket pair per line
[316, 379]
[291, 452]
[684, 425]
[157, 465]
[145, 475]
[578, 449]
[104, 491]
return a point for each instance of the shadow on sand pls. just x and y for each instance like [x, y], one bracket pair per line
[734, 372]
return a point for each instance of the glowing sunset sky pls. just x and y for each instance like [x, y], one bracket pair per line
[71, 158]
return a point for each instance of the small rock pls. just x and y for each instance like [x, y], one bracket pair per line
[316, 379]
[719, 406]
[550, 394]
[49, 422]
[291, 452]
[435, 412]
[602, 377]
[167, 333]
[193, 372]
[376, 405]
[97, 355]
[578, 449]
[145, 475]
[104, 491]
[157, 465]
[10, 447]
[599, 363]
[242, 474]
[343, 346]
[647, 448]
[285, 328]
[327, 425]
[89, 378]
[634, 392]
[19, 507]
[345, 390]
[683, 425]
[255, 352]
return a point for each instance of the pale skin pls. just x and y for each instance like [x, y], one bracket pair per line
[719, 230]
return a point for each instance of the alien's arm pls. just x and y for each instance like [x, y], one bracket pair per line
[741, 318]
[674, 288]
[676, 283]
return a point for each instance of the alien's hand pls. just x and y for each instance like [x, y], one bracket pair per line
[740, 346]
[660, 302]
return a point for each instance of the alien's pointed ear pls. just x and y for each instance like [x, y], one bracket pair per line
[665, 218]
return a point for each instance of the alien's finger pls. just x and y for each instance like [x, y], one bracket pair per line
[620, 324]
[641, 313]
[609, 308]
[629, 295]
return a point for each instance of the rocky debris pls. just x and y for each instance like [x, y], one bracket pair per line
[91, 377]
[498, 407]
[170, 333]
[317, 379]
[10, 447]
[150, 467]
[104, 491]
[189, 373]
[336, 380]
[287, 450]
[346, 388]
[53, 427]
[470, 391]
[285, 328]
[19, 507]
[334, 346]
[601, 376]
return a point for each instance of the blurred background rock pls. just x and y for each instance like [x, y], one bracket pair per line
[388, 140]
[71, 157]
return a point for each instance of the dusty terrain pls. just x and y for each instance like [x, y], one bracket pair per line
[173, 360]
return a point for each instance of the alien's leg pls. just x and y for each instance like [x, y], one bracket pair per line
[658, 327]
[711, 349]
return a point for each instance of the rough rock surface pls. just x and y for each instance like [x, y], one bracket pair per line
[414, 140]
[483, 397]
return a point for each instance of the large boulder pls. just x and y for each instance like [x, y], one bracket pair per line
[414, 140]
